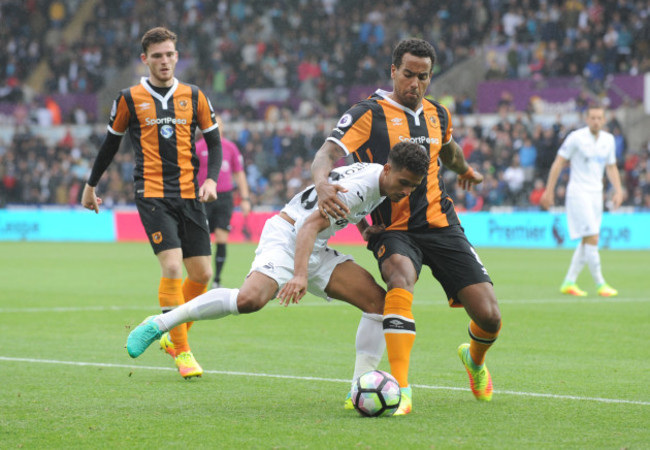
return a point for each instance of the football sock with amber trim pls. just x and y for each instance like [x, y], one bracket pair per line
[480, 342]
[192, 289]
[170, 296]
[399, 332]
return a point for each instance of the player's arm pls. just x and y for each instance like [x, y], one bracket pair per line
[244, 192]
[368, 230]
[107, 150]
[208, 190]
[296, 288]
[452, 157]
[328, 200]
[548, 197]
[614, 177]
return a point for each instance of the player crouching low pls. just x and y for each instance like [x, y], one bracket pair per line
[293, 257]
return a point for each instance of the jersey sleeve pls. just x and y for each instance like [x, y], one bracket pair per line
[353, 128]
[611, 158]
[568, 147]
[205, 114]
[120, 116]
[447, 136]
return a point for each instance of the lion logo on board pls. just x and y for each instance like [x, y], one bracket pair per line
[157, 237]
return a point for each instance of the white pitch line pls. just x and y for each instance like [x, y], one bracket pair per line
[441, 303]
[332, 380]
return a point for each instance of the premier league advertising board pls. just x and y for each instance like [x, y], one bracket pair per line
[624, 231]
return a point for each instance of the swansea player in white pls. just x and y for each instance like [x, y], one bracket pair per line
[591, 153]
[293, 257]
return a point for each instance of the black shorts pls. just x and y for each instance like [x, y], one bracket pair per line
[451, 258]
[219, 212]
[175, 223]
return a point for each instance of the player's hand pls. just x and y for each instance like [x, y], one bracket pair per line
[245, 206]
[617, 199]
[293, 290]
[208, 191]
[329, 202]
[372, 229]
[89, 200]
[468, 179]
[547, 199]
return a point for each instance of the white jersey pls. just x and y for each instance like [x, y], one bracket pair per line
[362, 182]
[588, 157]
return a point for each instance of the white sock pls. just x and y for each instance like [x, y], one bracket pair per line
[577, 263]
[370, 344]
[214, 304]
[593, 261]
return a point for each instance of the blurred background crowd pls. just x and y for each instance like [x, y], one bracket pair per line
[319, 51]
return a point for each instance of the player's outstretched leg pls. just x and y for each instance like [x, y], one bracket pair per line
[142, 337]
[480, 380]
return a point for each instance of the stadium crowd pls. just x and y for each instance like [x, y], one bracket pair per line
[514, 155]
[321, 48]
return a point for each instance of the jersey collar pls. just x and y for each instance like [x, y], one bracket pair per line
[386, 96]
[157, 96]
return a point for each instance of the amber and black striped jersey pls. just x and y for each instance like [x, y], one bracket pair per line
[372, 127]
[162, 132]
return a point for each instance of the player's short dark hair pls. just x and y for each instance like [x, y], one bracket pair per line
[156, 36]
[410, 156]
[416, 47]
[595, 106]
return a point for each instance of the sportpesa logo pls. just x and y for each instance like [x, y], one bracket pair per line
[166, 120]
[420, 140]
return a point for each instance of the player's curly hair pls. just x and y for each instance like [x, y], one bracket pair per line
[410, 156]
[416, 47]
[156, 36]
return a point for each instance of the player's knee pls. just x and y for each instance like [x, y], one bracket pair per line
[248, 302]
[398, 273]
[203, 276]
[375, 302]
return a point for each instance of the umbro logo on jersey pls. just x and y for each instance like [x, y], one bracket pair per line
[397, 121]
[144, 106]
[359, 195]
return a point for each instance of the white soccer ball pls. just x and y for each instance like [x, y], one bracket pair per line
[376, 393]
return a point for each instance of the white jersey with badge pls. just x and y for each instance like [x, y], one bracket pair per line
[362, 183]
[588, 157]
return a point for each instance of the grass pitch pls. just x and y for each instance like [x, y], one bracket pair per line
[568, 372]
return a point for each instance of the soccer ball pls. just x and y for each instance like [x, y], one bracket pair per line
[376, 393]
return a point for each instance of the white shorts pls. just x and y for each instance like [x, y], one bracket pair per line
[584, 214]
[275, 253]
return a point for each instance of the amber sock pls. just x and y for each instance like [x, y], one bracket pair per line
[480, 342]
[192, 289]
[399, 332]
[170, 296]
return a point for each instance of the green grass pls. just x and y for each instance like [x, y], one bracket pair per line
[568, 373]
